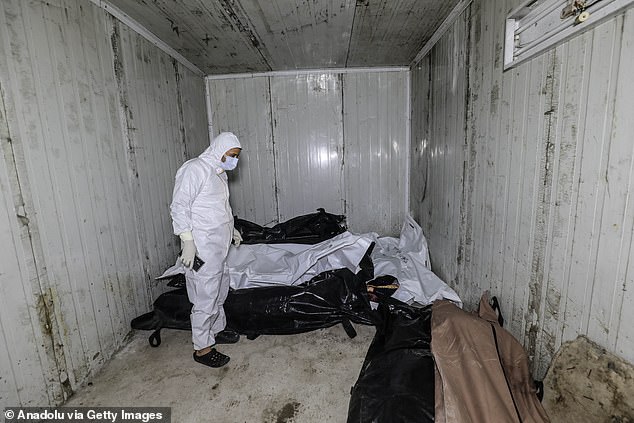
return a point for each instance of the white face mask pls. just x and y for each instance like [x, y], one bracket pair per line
[230, 163]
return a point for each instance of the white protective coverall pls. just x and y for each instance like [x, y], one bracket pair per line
[200, 204]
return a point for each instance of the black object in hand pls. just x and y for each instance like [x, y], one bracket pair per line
[198, 263]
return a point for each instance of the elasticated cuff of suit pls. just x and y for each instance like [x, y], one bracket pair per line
[186, 236]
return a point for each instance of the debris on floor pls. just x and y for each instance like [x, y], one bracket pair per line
[587, 384]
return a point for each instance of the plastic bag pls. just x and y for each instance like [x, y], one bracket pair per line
[332, 297]
[396, 383]
[307, 229]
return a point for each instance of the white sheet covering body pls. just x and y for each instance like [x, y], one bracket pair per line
[257, 265]
[406, 258]
[291, 264]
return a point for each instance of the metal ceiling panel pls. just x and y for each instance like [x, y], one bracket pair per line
[303, 34]
[243, 36]
[391, 32]
[208, 33]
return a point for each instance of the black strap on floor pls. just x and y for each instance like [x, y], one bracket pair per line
[347, 326]
[155, 338]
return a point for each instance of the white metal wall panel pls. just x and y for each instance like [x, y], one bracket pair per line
[420, 144]
[591, 211]
[548, 170]
[192, 102]
[447, 142]
[308, 134]
[618, 226]
[78, 144]
[375, 157]
[302, 151]
[156, 146]
[24, 366]
[59, 103]
[243, 106]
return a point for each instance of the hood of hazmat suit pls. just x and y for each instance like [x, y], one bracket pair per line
[200, 204]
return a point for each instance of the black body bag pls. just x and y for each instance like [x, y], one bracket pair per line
[396, 383]
[332, 297]
[307, 229]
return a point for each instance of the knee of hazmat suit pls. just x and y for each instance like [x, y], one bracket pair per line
[200, 211]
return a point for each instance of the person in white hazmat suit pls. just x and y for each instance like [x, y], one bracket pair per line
[203, 220]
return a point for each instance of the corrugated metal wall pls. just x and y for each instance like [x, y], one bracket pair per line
[331, 140]
[308, 134]
[243, 106]
[539, 163]
[93, 129]
[438, 148]
[376, 150]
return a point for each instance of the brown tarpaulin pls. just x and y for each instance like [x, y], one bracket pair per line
[482, 372]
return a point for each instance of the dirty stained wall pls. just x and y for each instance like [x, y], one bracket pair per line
[522, 179]
[318, 139]
[94, 122]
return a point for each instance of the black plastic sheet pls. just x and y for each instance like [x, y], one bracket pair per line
[307, 229]
[396, 383]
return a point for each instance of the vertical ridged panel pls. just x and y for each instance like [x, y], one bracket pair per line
[302, 151]
[243, 106]
[194, 111]
[438, 148]
[156, 146]
[620, 222]
[419, 148]
[547, 215]
[308, 134]
[24, 368]
[592, 214]
[87, 230]
[375, 134]
[62, 127]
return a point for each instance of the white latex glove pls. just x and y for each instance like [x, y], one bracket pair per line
[189, 249]
[237, 238]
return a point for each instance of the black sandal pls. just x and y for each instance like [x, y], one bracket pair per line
[212, 359]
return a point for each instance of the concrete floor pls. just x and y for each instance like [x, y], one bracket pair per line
[272, 379]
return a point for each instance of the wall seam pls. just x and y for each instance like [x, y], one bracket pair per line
[469, 157]
[179, 107]
[275, 176]
[536, 286]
